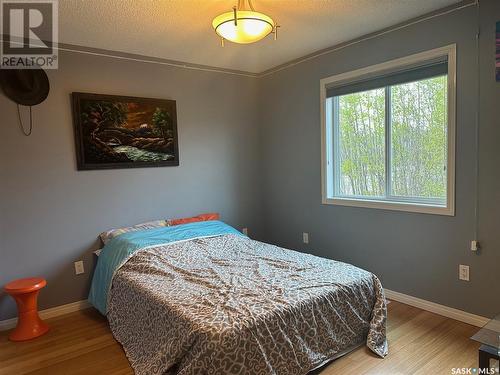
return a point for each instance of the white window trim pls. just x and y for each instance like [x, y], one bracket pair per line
[401, 63]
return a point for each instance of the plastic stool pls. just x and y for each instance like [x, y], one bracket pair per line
[25, 293]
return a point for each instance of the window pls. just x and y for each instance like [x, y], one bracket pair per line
[388, 135]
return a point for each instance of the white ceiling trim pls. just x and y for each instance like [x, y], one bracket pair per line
[180, 30]
[152, 60]
[438, 13]
[132, 57]
[208, 68]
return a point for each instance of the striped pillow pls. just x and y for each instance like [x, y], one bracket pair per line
[112, 233]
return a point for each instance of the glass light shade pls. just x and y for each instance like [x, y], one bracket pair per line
[251, 26]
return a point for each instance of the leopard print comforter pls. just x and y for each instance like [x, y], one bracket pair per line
[232, 305]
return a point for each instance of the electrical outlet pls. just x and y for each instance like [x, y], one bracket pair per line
[79, 267]
[463, 272]
[305, 237]
[474, 245]
[245, 231]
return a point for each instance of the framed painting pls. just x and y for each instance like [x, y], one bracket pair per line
[124, 131]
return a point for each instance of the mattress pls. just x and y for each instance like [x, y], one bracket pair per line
[226, 304]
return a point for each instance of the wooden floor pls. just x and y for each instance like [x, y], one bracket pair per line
[81, 343]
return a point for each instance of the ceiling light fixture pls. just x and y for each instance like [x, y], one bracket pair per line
[244, 25]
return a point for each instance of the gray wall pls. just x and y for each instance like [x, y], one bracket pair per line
[51, 213]
[416, 254]
[250, 149]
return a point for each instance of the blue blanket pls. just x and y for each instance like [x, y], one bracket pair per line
[121, 248]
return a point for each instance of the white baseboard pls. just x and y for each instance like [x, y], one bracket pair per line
[49, 313]
[436, 308]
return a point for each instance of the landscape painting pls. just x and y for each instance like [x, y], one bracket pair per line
[498, 52]
[124, 132]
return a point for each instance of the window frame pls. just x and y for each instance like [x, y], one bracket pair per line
[328, 139]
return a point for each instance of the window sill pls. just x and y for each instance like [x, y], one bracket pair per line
[394, 206]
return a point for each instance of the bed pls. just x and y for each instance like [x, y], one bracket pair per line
[202, 298]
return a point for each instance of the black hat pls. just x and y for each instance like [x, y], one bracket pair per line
[25, 86]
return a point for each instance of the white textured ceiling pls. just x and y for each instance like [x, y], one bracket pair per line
[181, 29]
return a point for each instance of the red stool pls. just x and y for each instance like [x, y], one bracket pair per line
[25, 293]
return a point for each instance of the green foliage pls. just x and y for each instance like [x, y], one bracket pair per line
[419, 138]
[162, 123]
[103, 113]
[418, 135]
[361, 143]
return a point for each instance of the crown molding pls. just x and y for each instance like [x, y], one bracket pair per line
[428, 16]
[73, 48]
